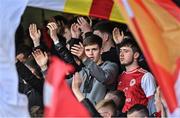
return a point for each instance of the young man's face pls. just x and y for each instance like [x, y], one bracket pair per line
[126, 56]
[93, 52]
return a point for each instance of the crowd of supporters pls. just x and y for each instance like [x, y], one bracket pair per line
[111, 77]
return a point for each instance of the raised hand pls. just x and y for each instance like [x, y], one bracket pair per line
[35, 34]
[84, 25]
[76, 83]
[78, 50]
[117, 36]
[75, 31]
[53, 28]
[40, 58]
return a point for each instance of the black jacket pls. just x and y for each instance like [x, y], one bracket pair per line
[66, 55]
[90, 107]
[26, 75]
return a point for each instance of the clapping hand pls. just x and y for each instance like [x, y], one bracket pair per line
[84, 25]
[52, 26]
[75, 30]
[78, 50]
[41, 58]
[117, 36]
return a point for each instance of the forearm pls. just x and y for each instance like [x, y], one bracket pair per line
[87, 103]
[36, 44]
[38, 47]
[78, 94]
[44, 71]
[36, 83]
[151, 105]
[65, 54]
[31, 79]
[106, 75]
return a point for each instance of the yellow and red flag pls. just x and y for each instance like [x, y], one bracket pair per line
[105, 9]
[156, 26]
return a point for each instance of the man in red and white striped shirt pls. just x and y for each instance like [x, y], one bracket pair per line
[138, 85]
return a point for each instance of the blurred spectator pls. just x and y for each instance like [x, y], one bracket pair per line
[139, 111]
[119, 99]
[106, 108]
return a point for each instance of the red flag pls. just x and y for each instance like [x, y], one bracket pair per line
[58, 98]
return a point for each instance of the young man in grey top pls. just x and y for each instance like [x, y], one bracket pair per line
[97, 76]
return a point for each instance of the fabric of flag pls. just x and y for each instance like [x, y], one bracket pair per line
[156, 26]
[12, 103]
[105, 9]
[58, 98]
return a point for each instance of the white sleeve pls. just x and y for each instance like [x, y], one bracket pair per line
[148, 84]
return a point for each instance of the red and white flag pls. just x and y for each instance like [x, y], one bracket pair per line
[58, 98]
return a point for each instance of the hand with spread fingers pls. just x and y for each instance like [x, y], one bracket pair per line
[117, 36]
[53, 28]
[60, 24]
[75, 31]
[84, 25]
[35, 34]
[78, 50]
[41, 58]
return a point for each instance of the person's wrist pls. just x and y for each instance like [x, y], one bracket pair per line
[55, 38]
[36, 43]
[87, 30]
[56, 41]
[75, 36]
[78, 94]
[84, 58]
[80, 98]
[43, 67]
[75, 89]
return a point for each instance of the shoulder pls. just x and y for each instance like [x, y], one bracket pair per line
[109, 63]
[148, 78]
[141, 70]
[148, 75]
[148, 84]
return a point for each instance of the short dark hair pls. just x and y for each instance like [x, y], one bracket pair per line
[139, 108]
[104, 26]
[129, 42]
[74, 20]
[105, 103]
[22, 48]
[120, 94]
[92, 39]
[59, 18]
